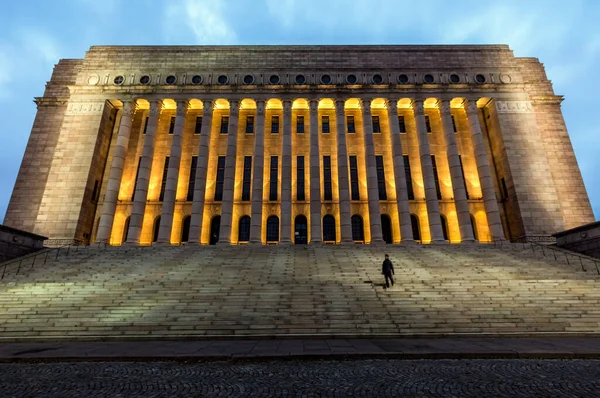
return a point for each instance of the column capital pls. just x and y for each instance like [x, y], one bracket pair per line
[418, 106]
[182, 107]
[444, 107]
[155, 107]
[392, 106]
[234, 106]
[287, 105]
[129, 107]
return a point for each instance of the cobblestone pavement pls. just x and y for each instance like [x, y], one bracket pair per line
[364, 378]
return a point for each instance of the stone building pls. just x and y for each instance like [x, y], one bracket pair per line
[303, 144]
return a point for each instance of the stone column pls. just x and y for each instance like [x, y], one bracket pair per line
[141, 192]
[458, 186]
[168, 207]
[258, 175]
[201, 170]
[286, 175]
[316, 233]
[433, 207]
[109, 206]
[343, 184]
[372, 186]
[485, 176]
[400, 174]
[229, 180]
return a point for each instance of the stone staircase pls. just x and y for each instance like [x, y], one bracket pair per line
[183, 292]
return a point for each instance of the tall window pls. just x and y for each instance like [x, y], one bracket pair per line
[402, 123]
[444, 227]
[328, 228]
[198, 127]
[163, 184]
[274, 124]
[95, 192]
[220, 179]
[145, 125]
[504, 193]
[354, 178]
[324, 124]
[249, 124]
[327, 192]
[380, 177]
[462, 173]
[299, 124]
[357, 227]
[376, 126]
[427, 124]
[273, 178]
[350, 124]
[300, 178]
[407, 173]
[137, 174]
[185, 229]
[156, 229]
[414, 221]
[453, 124]
[224, 124]
[192, 180]
[244, 229]
[273, 229]
[247, 177]
[436, 178]
[172, 125]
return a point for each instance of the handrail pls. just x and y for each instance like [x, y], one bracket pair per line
[34, 256]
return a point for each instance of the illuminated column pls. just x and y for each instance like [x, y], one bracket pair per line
[141, 191]
[344, 190]
[201, 169]
[399, 174]
[229, 180]
[168, 207]
[485, 176]
[257, 180]
[109, 206]
[458, 186]
[286, 175]
[372, 186]
[316, 234]
[433, 207]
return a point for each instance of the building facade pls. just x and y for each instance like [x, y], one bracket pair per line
[298, 144]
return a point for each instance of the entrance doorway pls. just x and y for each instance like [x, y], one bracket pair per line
[300, 230]
[215, 226]
[386, 228]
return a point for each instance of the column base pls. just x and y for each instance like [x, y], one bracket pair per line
[130, 244]
[347, 242]
[439, 242]
[286, 243]
[469, 242]
[222, 244]
[408, 242]
[162, 244]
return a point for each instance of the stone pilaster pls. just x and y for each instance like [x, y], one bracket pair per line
[344, 193]
[229, 180]
[258, 175]
[286, 175]
[316, 232]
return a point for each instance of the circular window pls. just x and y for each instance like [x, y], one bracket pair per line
[300, 79]
[196, 79]
[222, 79]
[480, 79]
[326, 79]
[454, 78]
[274, 79]
[171, 79]
[145, 79]
[377, 79]
[248, 79]
[351, 79]
[403, 79]
[119, 80]
[428, 79]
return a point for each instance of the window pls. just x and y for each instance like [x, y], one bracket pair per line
[224, 124]
[427, 124]
[220, 178]
[222, 79]
[274, 124]
[376, 126]
[244, 229]
[126, 229]
[249, 124]
[436, 178]
[380, 177]
[357, 228]
[354, 178]
[329, 228]
[185, 229]
[300, 124]
[172, 125]
[428, 79]
[156, 229]
[414, 222]
[198, 127]
[474, 227]
[170, 80]
[444, 226]
[95, 192]
[300, 79]
[163, 184]
[192, 179]
[327, 192]
[273, 229]
[453, 124]
[273, 179]
[407, 173]
[462, 173]
[247, 178]
[137, 174]
[325, 124]
[401, 123]
[196, 79]
[300, 178]
[145, 125]
[350, 124]
[504, 189]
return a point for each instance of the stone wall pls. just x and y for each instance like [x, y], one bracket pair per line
[15, 243]
[584, 239]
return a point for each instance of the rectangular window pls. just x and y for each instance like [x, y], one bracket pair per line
[408, 175]
[354, 178]
[454, 124]
[163, 184]
[299, 124]
[376, 126]
[436, 178]
[224, 125]
[350, 123]
[380, 177]
[427, 124]
[249, 124]
[137, 174]
[273, 178]
[504, 189]
[325, 124]
[402, 124]
[145, 125]
[274, 124]
[247, 178]
[300, 178]
[220, 179]
[192, 179]
[198, 128]
[327, 192]
[95, 192]
[172, 125]
[462, 173]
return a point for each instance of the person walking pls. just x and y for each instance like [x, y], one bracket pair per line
[387, 270]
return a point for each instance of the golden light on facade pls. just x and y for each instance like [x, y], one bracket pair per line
[169, 103]
[221, 104]
[300, 103]
[352, 103]
[326, 103]
[274, 103]
[247, 103]
[195, 103]
[142, 103]
[379, 103]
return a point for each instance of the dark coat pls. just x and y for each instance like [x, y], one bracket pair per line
[387, 268]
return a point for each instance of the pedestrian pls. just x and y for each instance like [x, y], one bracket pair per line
[387, 270]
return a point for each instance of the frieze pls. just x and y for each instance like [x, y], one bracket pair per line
[513, 106]
[85, 108]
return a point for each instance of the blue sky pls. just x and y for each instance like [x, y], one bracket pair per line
[36, 34]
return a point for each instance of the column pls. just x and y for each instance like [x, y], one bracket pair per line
[458, 186]
[258, 175]
[228, 183]
[168, 207]
[201, 170]
[141, 192]
[343, 184]
[316, 232]
[485, 176]
[372, 186]
[433, 207]
[399, 174]
[109, 206]
[286, 175]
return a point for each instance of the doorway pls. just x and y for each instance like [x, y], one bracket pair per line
[300, 230]
[386, 228]
[215, 226]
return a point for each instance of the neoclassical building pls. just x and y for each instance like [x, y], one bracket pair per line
[298, 144]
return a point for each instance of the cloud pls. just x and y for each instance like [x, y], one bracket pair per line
[204, 18]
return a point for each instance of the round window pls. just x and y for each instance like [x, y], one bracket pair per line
[248, 79]
[274, 79]
[222, 79]
[119, 80]
[454, 78]
[326, 79]
[171, 79]
[403, 79]
[351, 79]
[197, 79]
[480, 79]
[300, 79]
[145, 79]
[428, 79]
[377, 79]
